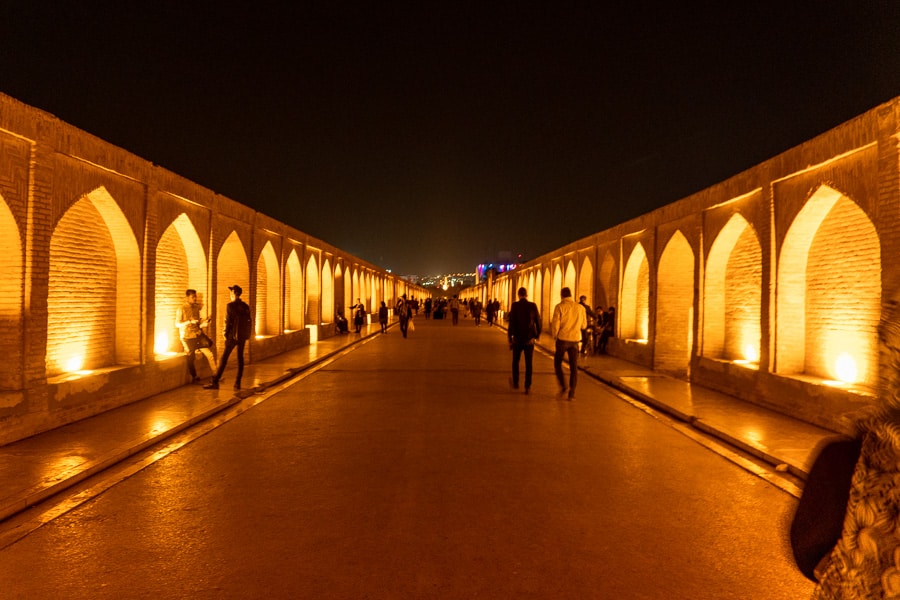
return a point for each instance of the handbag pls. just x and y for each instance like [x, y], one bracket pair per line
[411, 326]
[819, 519]
[203, 340]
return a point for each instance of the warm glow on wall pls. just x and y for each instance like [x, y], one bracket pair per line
[313, 333]
[751, 353]
[74, 363]
[162, 343]
[845, 368]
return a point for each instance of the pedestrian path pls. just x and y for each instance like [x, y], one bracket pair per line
[38, 467]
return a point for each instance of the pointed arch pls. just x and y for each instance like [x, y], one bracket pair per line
[569, 279]
[586, 281]
[312, 292]
[180, 265]
[327, 292]
[232, 268]
[11, 292]
[94, 258]
[633, 315]
[608, 287]
[828, 301]
[293, 293]
[732, 294]
[268, 293]
[675, 307]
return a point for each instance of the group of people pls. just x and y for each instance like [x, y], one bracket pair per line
[569, 328]
[238, 329]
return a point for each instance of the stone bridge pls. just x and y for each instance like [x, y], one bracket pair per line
[769, 286]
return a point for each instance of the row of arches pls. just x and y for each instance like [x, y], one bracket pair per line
[816, 316]
[95, 299]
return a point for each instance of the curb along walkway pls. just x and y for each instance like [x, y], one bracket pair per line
[33, 469]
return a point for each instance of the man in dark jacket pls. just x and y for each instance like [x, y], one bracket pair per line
[238, 328]
[524, 329]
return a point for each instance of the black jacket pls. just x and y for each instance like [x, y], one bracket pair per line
[524, 322]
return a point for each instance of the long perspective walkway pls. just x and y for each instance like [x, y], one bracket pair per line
[577, 481]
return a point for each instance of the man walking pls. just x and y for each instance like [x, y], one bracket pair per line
[238, 328]
[565, 327]
[403, 312]
[524, 329]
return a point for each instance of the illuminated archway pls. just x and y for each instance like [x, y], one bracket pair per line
[268, 293]
[607, 281]
[312, 292]
[340, 290]
[556, 287]
[349, 299]
[232, 268]
[546, 289]
[732, 294]
[10, 298]
[327, 292]
[675, 307]
[586, 282]
[570, 277]
[829, 292]
[293, 293]
[180, 265]
[633, 315]
[94, 287]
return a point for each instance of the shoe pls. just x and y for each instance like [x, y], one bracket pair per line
[237, 387]
[527, 391]
[213, 385]
[571, 395]
[195, 380]
[513, 384]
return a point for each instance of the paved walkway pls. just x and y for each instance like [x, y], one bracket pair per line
[34, 469]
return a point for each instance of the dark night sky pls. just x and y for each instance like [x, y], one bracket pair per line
[426, 140]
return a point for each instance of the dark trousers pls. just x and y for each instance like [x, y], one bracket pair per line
[404, 325]
[563, 348]
[517, 351]
[229, 346]
[455, 314]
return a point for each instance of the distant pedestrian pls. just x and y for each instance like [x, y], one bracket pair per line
[428, 308]
[238, 329]
[359, 315]
[609, 329]
[403, 313]
[475, 306]
[565, 327]
[383, 317]
[524, 330]
[454, 309]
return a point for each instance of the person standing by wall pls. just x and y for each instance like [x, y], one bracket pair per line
[238, 329]
[383, 317]
[524, 330]
[585, 334]
[359, 315]
[609, 329]
[565, 327]
[189, 324]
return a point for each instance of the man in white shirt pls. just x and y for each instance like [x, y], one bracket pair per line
[568, 320]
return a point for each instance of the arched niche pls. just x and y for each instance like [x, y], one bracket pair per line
[633, 315]
[828, 301]
[93, 301]
[180, 265]
[675, 307]
[732, 294]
